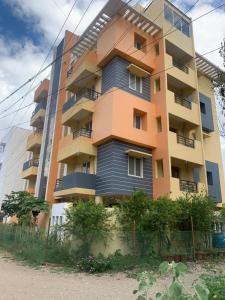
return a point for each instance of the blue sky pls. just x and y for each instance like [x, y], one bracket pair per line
[28, 28]
[14, 27]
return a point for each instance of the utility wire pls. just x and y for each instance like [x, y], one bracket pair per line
[167, 33]
[115, 89]
[45, 68]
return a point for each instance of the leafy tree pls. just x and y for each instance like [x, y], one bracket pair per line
[160, 218]
[88, 222]
[196, 208]
[24, 206]
[131, 212]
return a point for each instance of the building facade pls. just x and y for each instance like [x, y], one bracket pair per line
[131, 106]
[13, 154]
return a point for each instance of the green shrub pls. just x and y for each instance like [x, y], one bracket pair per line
[216, 286]
[93, 264]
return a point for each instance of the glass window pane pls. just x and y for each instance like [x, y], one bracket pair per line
[168, 13]
[177, 21]
[138, 167]
[131, 165]
[132, 81]
[137, 121]
[185, 28]
[139, 84]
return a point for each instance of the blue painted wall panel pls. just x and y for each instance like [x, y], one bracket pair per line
[112, 170]
[214, 190]
[207, 117]
[115, 74]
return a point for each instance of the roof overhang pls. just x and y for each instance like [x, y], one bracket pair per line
[139, 154]
[137, 70]
[207, 68]
[88, 39]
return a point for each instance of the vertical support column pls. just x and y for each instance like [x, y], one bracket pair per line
[98, 199]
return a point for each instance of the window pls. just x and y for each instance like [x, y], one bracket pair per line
[86, 167]
[139, 42]
[176, 20]
[175, 172]
[202, 108]
[159, 124]
[157, 85]
[157, 49]
[137, 121]
[135, 166]
[135, 82]
[209, 178]
[0, 166]
[2, 147]
[159, 168]
[60, 220]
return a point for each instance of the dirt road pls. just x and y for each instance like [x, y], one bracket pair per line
[18, 282]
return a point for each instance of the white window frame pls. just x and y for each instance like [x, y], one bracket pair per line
[142, 167]
[135, 83]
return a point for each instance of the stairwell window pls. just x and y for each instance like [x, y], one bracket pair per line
[135, 166]
[135, 82]
[137, 121]
[209, 178]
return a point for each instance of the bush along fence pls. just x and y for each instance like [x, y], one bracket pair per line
[136, 231]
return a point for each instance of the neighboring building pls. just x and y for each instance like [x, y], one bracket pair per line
[13, 154]
[135, 109]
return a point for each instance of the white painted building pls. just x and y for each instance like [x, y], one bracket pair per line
[12, 156]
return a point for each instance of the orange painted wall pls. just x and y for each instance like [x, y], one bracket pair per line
[113, 117]
[68, 42]
[161, 185]
[119, 37]
[44, 86]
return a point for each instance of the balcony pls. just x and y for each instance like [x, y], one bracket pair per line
[82, 72]
[75, 184]
[180, 71]
[38, 114]
[180, 186]
[79, 143]
[185, 149]
[79, 106]
[34, 141]
[185, 141]
[183, 108]
[42, 91]
[30, 168]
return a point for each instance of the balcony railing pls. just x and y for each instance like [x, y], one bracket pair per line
[183, 101]
[82, 132]
[76, 180]
[86, 93]
[188, 186]
[37, 130]
[31, 163]
[180, 66]
[40, 105]
[185, 141]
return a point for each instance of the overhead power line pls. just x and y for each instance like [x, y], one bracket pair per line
[115, 89]
[166, 34]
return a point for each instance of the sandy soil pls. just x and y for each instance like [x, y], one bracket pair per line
[19, 282]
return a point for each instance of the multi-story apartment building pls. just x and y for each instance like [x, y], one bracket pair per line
[12, 156]
[131, 106]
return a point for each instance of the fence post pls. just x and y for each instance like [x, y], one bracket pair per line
[193, 237]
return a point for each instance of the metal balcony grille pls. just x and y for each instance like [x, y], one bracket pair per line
[188, 186]
[185, 141]
[86, 93]
[31, 163]
[82, 132]
[41, 105]
[180, 66]
[183, 101]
